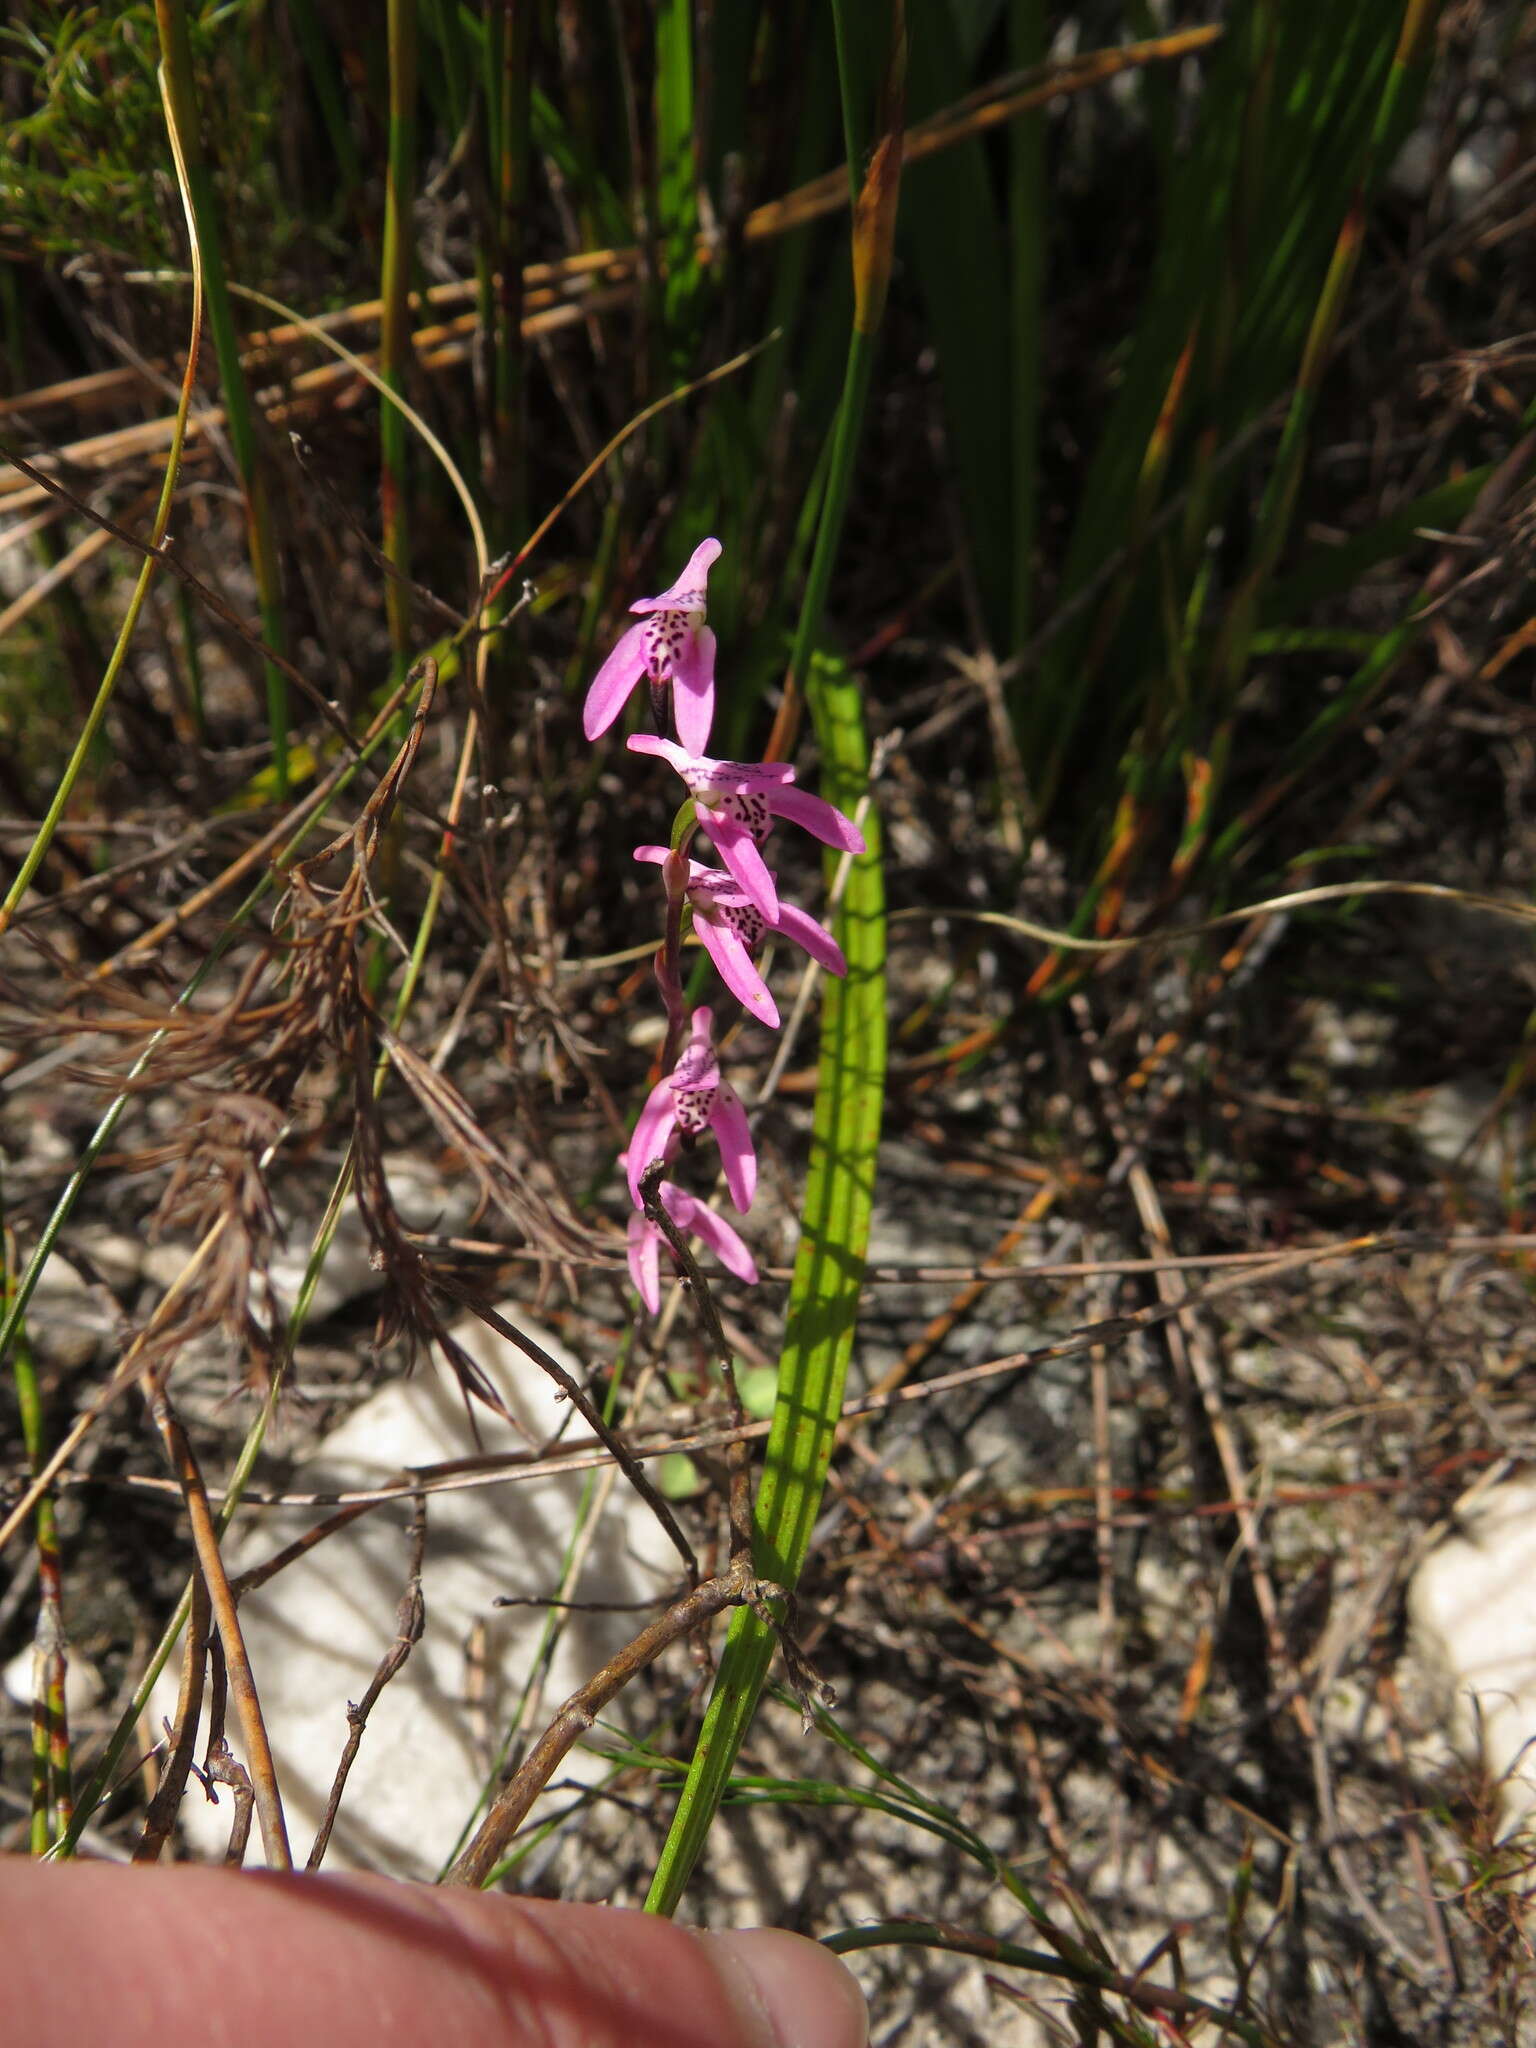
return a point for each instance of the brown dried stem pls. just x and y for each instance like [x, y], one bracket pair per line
[205, 1537]
[165, 1805]
[410, 1621]
[219, 1765]
[221, 1768]
[589, 1412]
[510, 1808]
[669, 961]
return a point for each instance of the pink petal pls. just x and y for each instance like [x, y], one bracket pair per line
[723, 1241]
[648, 1143]
[655, 854]
[644, 1267]
[747, 776]
[693, 690]
[696, 1065]
[653, 743]
[714, 885]
[735, 1140]
[818, 817]
[730, 955]
[689, 591]
[738, 850]
[796, 925]
[614, 681]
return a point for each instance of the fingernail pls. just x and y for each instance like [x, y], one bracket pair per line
[798, 1992]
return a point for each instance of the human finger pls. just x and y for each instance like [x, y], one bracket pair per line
[190, 1957]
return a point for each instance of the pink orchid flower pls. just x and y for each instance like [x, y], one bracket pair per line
[738, 802]
[671, 644]
[731, 928]
[646, 1241]
[691, 1099]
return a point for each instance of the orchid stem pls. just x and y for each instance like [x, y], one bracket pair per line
[669, 960]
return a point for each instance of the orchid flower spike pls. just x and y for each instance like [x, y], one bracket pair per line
[647, 1239]
[691, 1099]
[731, 928]
[738, 801]
[671, 644]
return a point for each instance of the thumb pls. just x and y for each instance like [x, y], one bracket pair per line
[195, 1958]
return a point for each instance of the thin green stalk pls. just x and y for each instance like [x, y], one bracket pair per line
[1098, 1980]
[677, 179]
[1261, 33]
[52, 1799]
[789, 300]
[1027, 227]
[180, 91]
[320, 63]
[395, 322]
[192, 655]
[1278, 506]
[512, 52]
[1379, 665]
[842, 449]
[848, 98]
[975, 301]
[598, 581]
[86, 742]
[874, 236]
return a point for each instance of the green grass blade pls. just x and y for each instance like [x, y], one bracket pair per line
[502, 49]
[395, 324]
[955, 238]
[1007, 1954]
[87, 741]
[733, 40]
[320, 63]
[1279, 501]
[52, 1799]
[1338, 566]
[1027, 234]
[181, 91]
[677, 179]
[1301, 107]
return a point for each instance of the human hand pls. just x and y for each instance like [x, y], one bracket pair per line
[190, 1957]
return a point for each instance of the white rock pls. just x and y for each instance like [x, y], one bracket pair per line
[1459, 1128]
[1474, 1624]
[316, 1632]
[83, 1683]
[67, 1317]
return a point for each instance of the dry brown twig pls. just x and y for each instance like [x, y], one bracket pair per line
[177, 1768]
[410, 1622]
[221, 1768]
[494, 1470]
[736, 1585]
[586, 1407]
[242, 1682]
